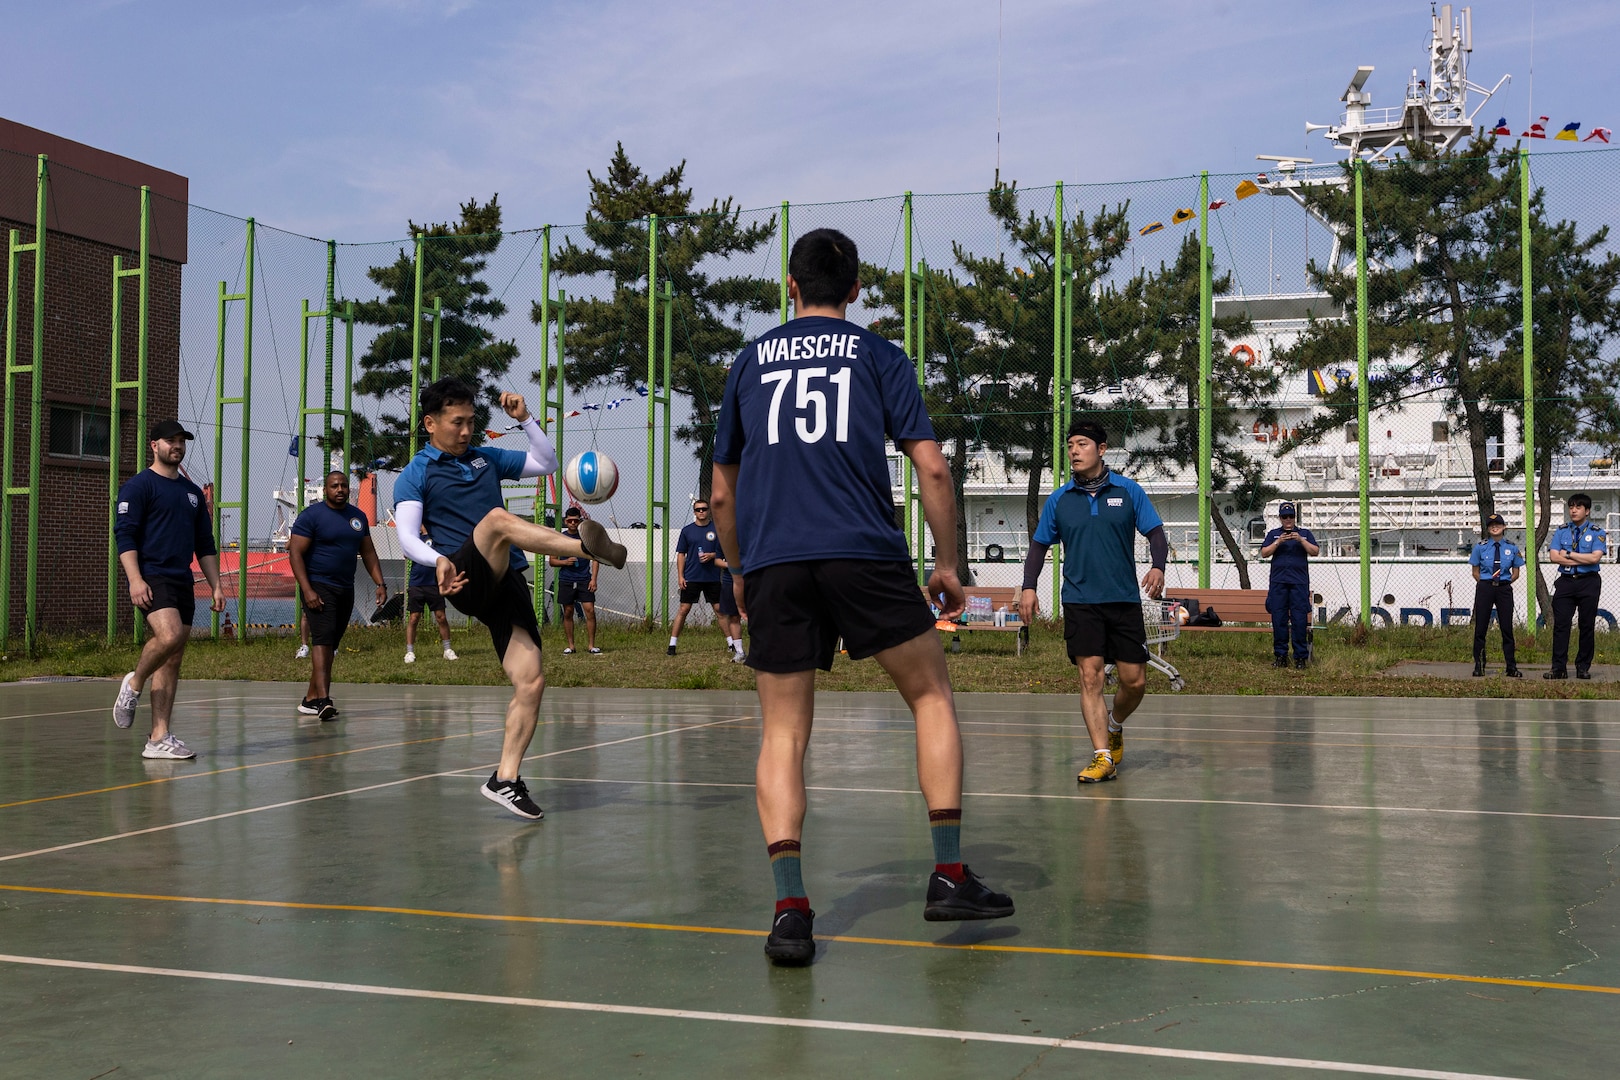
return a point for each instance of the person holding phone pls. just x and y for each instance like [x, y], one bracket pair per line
[1288, 597]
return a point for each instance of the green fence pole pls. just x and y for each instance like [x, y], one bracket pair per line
[217, 511]
[652, 397]
[247, 434]
[143, 301]
[664, 553]
[785, 235]
[115, 384]
[438, 335]
[909, 343]
[330, 306]
[1068, 351]
[921, 362]
[1363, 442]
[1526, 287]
[35, 370]
[543, 377]
[1206, 376]
[348, 386]
[1060, 441]
[416, 351]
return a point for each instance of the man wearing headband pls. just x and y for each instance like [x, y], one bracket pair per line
[1097, 515]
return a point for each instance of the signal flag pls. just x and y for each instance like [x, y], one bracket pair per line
[1183, 215]
[1538, 130]
[1217, 204]
[1571, 132]
[1247, 188]
[1501, 127]
[1157, 226]
[1601, 134]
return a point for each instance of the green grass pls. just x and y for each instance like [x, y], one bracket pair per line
[1224, 663]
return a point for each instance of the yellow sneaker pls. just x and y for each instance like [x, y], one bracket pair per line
[1101, 768]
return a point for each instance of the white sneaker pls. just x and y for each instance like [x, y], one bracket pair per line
[128, 701]
[568, 651]
[168, 747]
[450, 654]
[302, 653]
[410, 658]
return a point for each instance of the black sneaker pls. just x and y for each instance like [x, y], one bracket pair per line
[1513, 673]
[672, 650]
[1280, 662]
[513, 795]
[601, 547]
[1300, 663]
[1479, 669]
[328, 710]
[310, 706]
[790, 943]
[1556, 673]
[1583, 673]
[949, 901]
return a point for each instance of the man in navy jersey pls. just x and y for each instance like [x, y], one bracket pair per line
[422, 594]
[326, 539]
[806, 522]
[727, 612]
[454, 489]
[1097, 516]
[697, 569]
[162, 522]
[1290, 548]
[576, 584]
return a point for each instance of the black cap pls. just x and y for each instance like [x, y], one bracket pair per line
[1286, 510]
[168, 429]
[1495, 519]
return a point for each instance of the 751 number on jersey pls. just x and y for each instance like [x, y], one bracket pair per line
[810, 406]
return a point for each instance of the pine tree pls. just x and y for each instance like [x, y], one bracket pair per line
[454, 256]
[607, 336]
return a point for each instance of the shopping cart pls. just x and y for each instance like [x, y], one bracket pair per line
[1162, 620]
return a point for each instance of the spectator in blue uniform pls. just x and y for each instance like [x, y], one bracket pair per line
[1495, 563]
[576, 585]
[728, 614]
[1288, 596]
[454, 489]
[803, 508]
[162, 521]
[1576, 548]
[1097, 515]
[422, 594]
[326, 539]
[697, 571]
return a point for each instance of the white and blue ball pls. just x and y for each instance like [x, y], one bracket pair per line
[591, 477]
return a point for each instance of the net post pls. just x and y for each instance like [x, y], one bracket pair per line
[36, 387]
[416, 350]
[1059, 442]
[1206, 368]
[1363, 436]
[784, 279]
[652, 398]
[1528, 427]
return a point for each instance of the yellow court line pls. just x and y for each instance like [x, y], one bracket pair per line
[1031, 950]
[240, 768]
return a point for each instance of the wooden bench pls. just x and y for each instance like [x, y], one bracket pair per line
[999, 597]
[1232, 605]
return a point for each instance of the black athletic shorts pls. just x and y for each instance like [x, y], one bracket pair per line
[500, 603]
[570, 593]
[327, 622]
[797, 611]
[709, 590]
[419, 598]
[175, 593]
[728, 600]
[1114, 632]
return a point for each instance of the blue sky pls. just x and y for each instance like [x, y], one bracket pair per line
[344, 119]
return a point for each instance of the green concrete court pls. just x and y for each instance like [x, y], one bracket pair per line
[1274, 887]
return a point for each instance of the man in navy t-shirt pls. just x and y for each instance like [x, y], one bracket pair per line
[804, 514]
[454, 488]
[1097, 515]
[1577, 549]
[326, 539]
[162, 521]
[1288, 596]
[697, 567]
[422, 594]
[576, 584]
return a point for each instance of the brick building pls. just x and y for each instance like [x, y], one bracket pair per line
[93, 214]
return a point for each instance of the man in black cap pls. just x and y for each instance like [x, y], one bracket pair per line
[162, 521]
[1288, 596]
[1495, 563]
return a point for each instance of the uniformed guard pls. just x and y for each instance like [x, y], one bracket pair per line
[1495, 562]
[1577, 548]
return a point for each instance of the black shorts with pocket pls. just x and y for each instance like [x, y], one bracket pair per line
[420, 598]
[570, 593]
[176, 593]
[797, 611]
[499, 602]
[327, 622]
[709, 590]
[728, 599]
[1114, 632]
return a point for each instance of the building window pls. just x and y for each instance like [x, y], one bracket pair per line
[78, 433]
[1351, 432]
[1440, 432]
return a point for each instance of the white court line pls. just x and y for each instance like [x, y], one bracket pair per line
[350, 791]
[1103, 798]
[763, 1021]
[904, 724]
[104, 707]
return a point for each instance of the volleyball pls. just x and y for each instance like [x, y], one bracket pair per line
[591, 477]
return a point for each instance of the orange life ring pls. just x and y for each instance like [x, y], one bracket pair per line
[1264, 434]
[1247, 352]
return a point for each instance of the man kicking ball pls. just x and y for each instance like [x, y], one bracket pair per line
[806, 521]
[454, 488]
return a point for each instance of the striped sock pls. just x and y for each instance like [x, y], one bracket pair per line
[785, 868]
[946, 827]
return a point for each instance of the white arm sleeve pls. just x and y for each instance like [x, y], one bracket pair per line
[408, 523]
[542, 455]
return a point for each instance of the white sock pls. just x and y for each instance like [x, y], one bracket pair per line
[674, 641]
[1114, 725]
[1105, 752]
[729, 642]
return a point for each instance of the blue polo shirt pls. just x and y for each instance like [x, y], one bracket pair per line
[1290, 565]
[1584, 540]
[579, 573]
[1099, 538]
[457, 492]
[1496, 559]
[695, 539]
[335, 538]
[164, 522]
[808, 412]
[422, 575]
